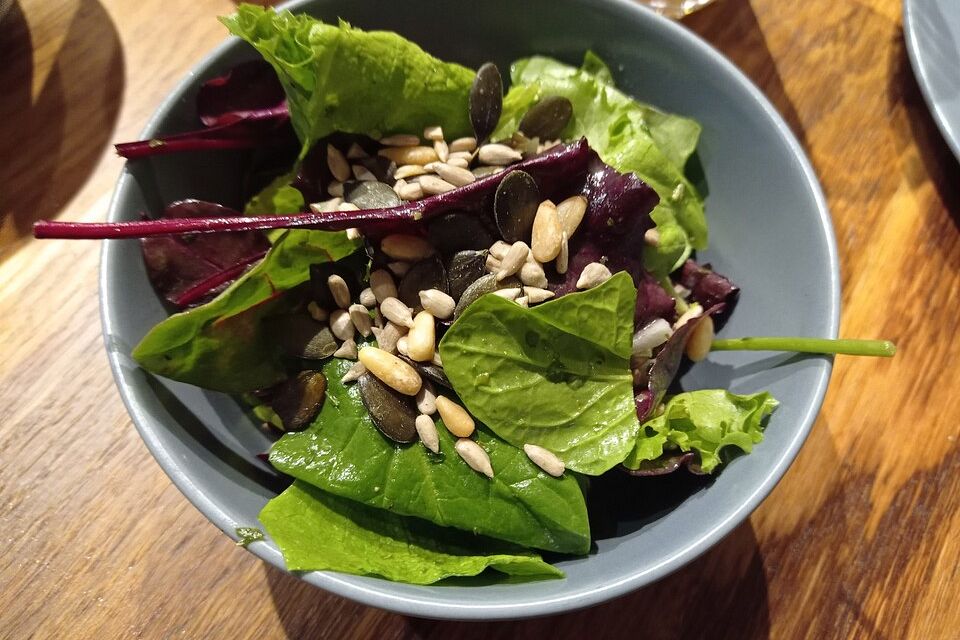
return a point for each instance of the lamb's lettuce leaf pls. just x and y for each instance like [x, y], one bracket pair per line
[703, 421]
[338, 78]
[628, 135]
[557, 375]
[223, 345]
[343, 453]
[317, 531]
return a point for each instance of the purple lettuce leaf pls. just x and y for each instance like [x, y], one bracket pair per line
[250, 91]
[190, 269]
[708, 287]
[665, 365]
[667, 463]
[243, 109]
[612, 230]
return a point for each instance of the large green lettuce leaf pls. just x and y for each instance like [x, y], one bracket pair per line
[557, 375]
[629, 136]
[704, 421]
[317, 531]
[338, 78]
[222, 345]
[343, 453]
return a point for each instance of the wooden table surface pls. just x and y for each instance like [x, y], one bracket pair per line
[861, 538]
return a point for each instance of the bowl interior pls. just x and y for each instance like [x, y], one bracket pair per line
[770, 232]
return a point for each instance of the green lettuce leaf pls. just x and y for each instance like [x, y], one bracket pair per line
[628, 135]
[557, 375]
[338, 78]
[277, 197]
[704, 421]
[222, 345]
[317, 531]
[343, 453]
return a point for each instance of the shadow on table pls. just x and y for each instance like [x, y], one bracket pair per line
[731, 26]
[939, 163]
[53, 130]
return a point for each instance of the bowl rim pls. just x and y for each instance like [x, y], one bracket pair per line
[378, 593]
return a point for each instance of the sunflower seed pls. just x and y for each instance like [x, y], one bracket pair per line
[391, 370]
[427, 430]
[455, 418]
[353, 374]
[438, 303]
[409, 171]
[427, 399]
[532, 274]
[461, 155]
[341, 325]
[593, 274]
[499, 249]
[547, 119]
[522, 301]
[546, 460]
[347, 350]
[356, 152]
[456, 176]
[463, 144]
[510, 293]
[571, 212]
[432, 185]
[409, 155]
[498, 154]
[492, 264]
[389, 336]
[361, 173]
[536, 295]
[563, 258]
[402, 346]
[434, 132]
[486, 100]
[396, 312]
[515, 258]
[460, 163]
[400, 140]
[401, 246]
[547, 234]
[483, 172]
[317, 312]
[335, 188]
[411, 191]
[474, 455]
[398, 269]
[360, 316]
[339, 290]
[347, 206]
[326, 206]
[382, 285]
[367, 298]
[353, 233]
[442, 150]
[338, 165]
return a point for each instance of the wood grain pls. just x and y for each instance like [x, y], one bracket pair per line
[860, 540]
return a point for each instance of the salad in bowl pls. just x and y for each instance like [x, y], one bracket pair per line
[464, 304]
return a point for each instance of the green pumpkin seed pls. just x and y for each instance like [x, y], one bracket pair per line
[483, 285]
[367, 194]
[455, 232]
[300, 336]
[547, 119]
[298, 400]
[486, 100]
[463, 269]
[426, 274]
[395, 415]
[515, 206]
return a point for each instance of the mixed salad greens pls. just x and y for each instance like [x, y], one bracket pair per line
[453, 334]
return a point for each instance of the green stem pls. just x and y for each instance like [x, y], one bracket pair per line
[883, 348]
[679, 303]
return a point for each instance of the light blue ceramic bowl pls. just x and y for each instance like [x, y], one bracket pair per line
[770, 231]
